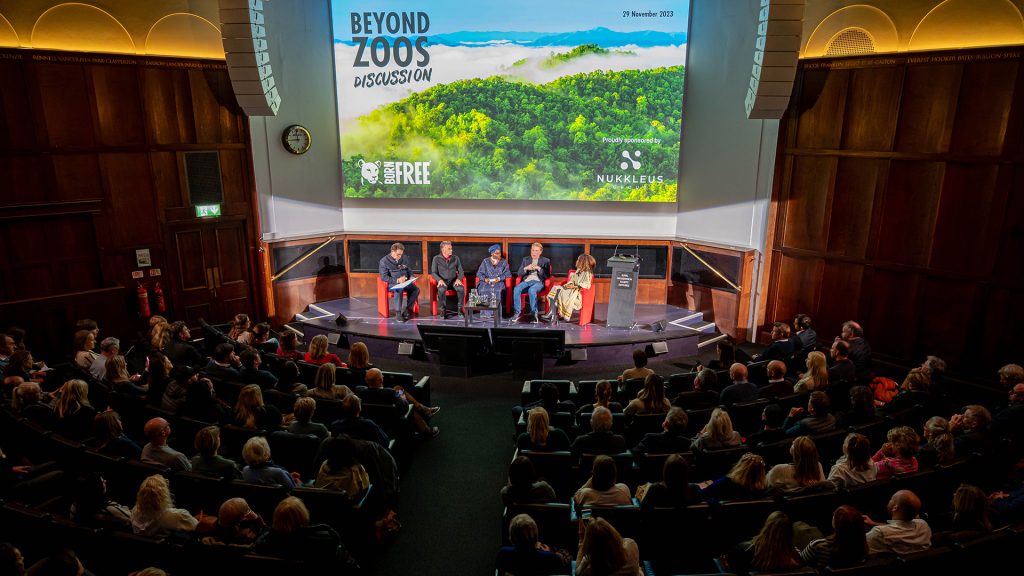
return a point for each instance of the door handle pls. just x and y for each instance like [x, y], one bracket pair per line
[211, 282]
[216, 277]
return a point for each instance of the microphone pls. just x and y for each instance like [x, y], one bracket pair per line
[616, 253]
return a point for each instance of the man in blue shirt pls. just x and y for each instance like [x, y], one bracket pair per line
[394, 269]
[533, 271]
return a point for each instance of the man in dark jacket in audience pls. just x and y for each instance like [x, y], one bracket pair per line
[703, 394]
[672, 440]
[860, 350]
[224, 364]
[180, 351]
[251, 372]
[740, 390]
[781, 345]
[355, 425]
[777, 384]
[601, 440]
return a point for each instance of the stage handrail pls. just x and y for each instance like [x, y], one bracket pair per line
[710, 267]
[302, 258]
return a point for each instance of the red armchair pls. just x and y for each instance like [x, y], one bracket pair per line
[507, 296]
[587, 311]
[542, 296]
[448, 292]
[384, 300]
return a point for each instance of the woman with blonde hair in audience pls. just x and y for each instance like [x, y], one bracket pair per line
[119, 380]
[85, 341]
[159, 333]
[816, 377]
[717, 433]
[854, 466]
[239, 325]
[603, 551]
[602, 488]
[73, 415]
[772, 550]
[318, 354]
[324, 386]
[897, 456]
[153, 514]
[650, 400]
[745, 481]
[540, 436]
[251, 412]
[261, 469]
[937, 445]
[804, 471]
[292, 536]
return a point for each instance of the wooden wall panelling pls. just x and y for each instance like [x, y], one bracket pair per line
[945, 312]
[234, 175]
[822, 98]
[1013, 143]
[76, 177]
[18, 129]
[118, 110]
[130, 191]
[166, 170]
[968, 202]
[889, 311]
[795, 272]
[1009, 244]
[67, 110]
[927, 108]
[213, 103]
[853, 197]
[983, 108]
[999, 338]
[27, 177]
[871, 107]
[808, 201]
[908, 219]
[839, 297]
[168, 105]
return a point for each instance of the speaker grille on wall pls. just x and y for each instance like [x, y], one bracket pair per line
[202, 177]
[659, 326]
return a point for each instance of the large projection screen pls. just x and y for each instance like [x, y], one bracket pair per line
[527, 100]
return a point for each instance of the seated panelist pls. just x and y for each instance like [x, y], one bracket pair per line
[491, 274]
[446, 270]
[533, 270]
[394, 269]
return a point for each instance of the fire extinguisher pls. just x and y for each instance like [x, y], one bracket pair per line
[158, 292]
[143, 297]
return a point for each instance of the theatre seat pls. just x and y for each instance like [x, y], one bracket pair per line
[542, 296]
[384, 300]
[448, 292]
[588, 294]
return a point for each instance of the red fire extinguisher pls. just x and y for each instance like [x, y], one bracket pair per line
[143, 297]
[161, 307]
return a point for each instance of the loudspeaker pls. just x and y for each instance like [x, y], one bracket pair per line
[577, 354]
[659, 326]
[659, 348]
[341, 320]
[776, 52]
[405, 348]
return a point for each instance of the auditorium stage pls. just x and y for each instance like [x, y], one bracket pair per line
[594, 343]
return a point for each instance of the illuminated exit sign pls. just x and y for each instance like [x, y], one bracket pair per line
[208, 211]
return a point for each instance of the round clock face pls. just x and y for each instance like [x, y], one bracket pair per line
[296, 139]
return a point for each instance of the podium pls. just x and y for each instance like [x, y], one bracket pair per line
[622, 298]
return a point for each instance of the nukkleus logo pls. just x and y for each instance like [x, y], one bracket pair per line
[394, 172]
[635, 163]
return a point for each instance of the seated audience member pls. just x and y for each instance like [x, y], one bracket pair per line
[158, 377]
[650, 400]
[262, 339]
[854, 466]
[341, 471]
[153, 514]
[176, 392]
[860, 350]
[29, 401]
[937, 446]
[604, 551]
[717, 433]
[674, 490]
[109, 437]
[12, 562]
[740, 390]
[672, 439]
[324, 386]
[92, 507]
[602, 397]
[289, 376]
[201, 403]
[289, 347]
[236, 525]
[523, 486]
[109, 348]
[73, 415]
[159, 334]
[85, 341]
[842, 371]
[772, 550]
[540, 436]
[292, 536]
[180, 350]
[260, 469]
[303, 424]
[970, 517]
[861, 411]
[251, 412]
[639, 369]
[913, 391]
[21, 368]
[1010, 375]
[726, 350]
[1007, 505]
[897, 455]
[7, 349]
[905, 533]
[224, 364]
[548, 399]
[971, 430]
[816, 377]
[817, 421]
[359, 359]
[527, 555]
[119, 380]
[207, 461]
[846, 546]
[157, 452]
[251, 373]
[771, 430]
[703, 395]
[781, 346]
[60, 561]
[745, 481]
[805, 338]
[318, 353]
[777, 384]
[239, 326]
[600, 439]
[420, 414]
[803, 472]
[355, 425]
[1008, 422]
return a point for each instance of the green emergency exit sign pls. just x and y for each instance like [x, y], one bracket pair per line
[208, 211]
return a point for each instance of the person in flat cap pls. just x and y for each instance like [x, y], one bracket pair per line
[491, 275]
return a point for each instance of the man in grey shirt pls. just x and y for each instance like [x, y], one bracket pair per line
[446, 270]
[157, 451]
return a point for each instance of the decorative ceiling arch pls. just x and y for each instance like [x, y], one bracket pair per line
[185, 34]
[81, 27]
[8, 36]
[967, 24]
[875, 22]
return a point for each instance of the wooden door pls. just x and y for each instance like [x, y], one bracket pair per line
[212, 276]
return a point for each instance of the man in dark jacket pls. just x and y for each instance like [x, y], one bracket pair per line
[251, 372]
[394, 268]
[446, 270]
[672, 440]
[180, 351]
[601, 439]
[533, 271]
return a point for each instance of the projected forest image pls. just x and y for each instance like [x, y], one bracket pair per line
[592, 115]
